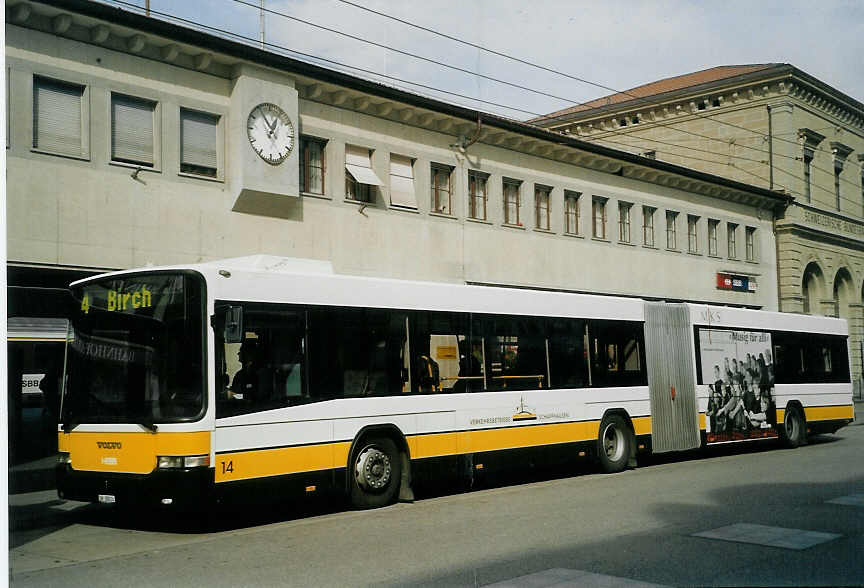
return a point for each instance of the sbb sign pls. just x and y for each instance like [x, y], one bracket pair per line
[30, 383]
[736, 283]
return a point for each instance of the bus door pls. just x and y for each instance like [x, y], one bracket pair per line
[671, 381]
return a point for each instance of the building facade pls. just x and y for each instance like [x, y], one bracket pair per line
[774, 126]
[133, 141]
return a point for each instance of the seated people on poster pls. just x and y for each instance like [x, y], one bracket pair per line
[751, 393]
[715, 401]
[734, 407]
[759, 419]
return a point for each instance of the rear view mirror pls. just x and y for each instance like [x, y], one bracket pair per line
[234, 324]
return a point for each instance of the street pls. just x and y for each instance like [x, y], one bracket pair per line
[638, 526]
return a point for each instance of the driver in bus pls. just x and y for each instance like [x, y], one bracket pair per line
[245, 384]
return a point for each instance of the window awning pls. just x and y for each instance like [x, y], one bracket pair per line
[364, 175]
[358, 162]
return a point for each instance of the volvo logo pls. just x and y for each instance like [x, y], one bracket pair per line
[109, 444]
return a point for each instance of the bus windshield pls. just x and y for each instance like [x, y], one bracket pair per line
[135, 351]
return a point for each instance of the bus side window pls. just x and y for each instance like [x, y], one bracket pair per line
[567, 353]
[443, 359]
[617, 353]
[515, 350]
[356, 352]
[266, 370]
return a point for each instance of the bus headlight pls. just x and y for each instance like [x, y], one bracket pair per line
[63, 458]
[182, 461]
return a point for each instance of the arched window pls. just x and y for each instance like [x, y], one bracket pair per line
[811, 288]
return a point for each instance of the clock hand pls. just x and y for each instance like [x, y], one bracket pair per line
[264, 116]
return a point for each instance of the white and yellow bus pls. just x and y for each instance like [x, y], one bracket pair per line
[265, 376]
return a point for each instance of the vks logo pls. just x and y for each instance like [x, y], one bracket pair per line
[109, 444]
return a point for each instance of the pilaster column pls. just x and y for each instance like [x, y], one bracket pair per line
[828, 307]
[856, 337]
[792, 304]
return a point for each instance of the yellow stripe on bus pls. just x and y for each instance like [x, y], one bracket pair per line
[244, 465]
[822, 413]
[131, 453]
[827, 413]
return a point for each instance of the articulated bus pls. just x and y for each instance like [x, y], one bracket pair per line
[265, 376]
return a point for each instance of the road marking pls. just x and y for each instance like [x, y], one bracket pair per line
[851, 500]
[771, 536]
[561, 577]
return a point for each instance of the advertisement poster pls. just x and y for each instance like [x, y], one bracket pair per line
[739, 370]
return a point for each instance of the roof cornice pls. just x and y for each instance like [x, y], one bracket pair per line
[787, 78]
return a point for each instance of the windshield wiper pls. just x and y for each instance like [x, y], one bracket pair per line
[149, 426]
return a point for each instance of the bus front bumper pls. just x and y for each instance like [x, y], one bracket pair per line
[182, 488]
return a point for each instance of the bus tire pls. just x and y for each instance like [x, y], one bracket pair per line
[613, 444]
[794, 433]
[376, 473]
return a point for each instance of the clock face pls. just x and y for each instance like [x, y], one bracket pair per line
[270, 132]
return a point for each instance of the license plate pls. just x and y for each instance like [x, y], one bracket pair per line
[107, 498]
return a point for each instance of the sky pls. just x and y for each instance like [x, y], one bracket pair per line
[614, 44]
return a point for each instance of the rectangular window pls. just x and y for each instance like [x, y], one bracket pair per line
[512, 201]
[59, 117]
[477, 194]
[199, 143]
[514, 352]
[357, 352]
[571, 212]
[598, 215]
[692, 233]
[712, 236]
[750, 243]
[838, 168]
[624, 221]
[617, 353]
[133, 135]
[313, 165]
[731, 230]
[808, 157]
[359, 175]
[402, 182]
[269, 369]
[442, 191]
[541, 206]
[671, 229]
[648, 225]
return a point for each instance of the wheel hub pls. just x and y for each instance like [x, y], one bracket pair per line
[613, 442]
[372, 469]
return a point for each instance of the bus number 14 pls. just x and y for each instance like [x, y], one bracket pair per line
[227, 467]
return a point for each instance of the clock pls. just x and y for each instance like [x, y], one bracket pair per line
[270, 133]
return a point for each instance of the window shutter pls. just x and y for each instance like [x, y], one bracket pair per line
[402, 182]
[199, 138]
[57, 117]
[132, 130]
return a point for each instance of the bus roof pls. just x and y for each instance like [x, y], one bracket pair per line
[270, 278]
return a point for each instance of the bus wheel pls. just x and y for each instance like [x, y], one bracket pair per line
[793, 428]
[613, 444]
[375, 474]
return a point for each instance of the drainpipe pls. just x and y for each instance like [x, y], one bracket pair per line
[770, 151]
